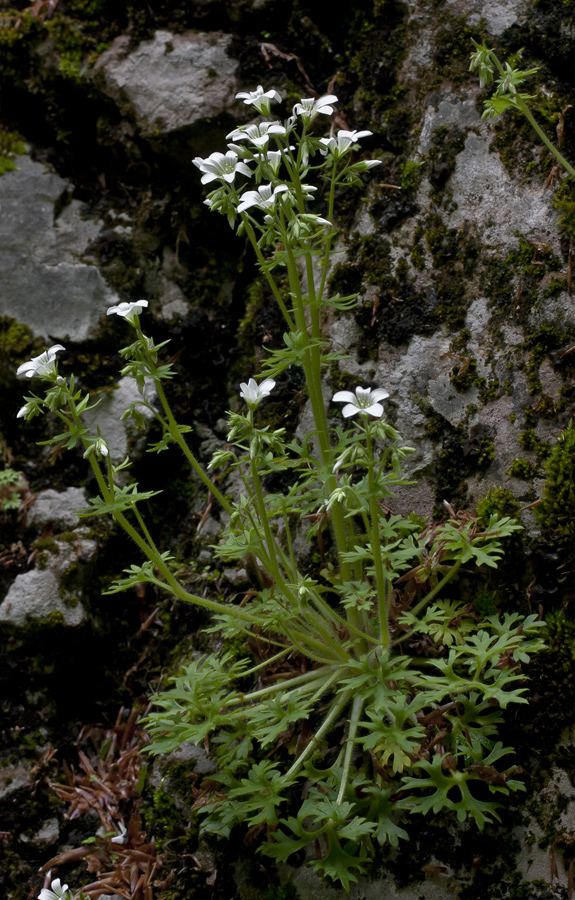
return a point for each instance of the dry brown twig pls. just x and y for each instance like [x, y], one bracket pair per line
[107, 780]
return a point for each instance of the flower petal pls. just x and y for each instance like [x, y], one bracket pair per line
[344, 397]
[350, 410]
[376, 409]
[379, 394]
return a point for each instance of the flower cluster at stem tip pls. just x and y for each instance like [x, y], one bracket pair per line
[224, 167]
[253, 141]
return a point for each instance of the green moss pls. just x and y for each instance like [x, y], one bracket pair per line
[565, 203]
[543, 343]
[410, 175]
[522, 468]
[556, 512]
[529, 441]
[72, 579]
[490, 390]
[512, 283]
[17, 343]
[446, 143]
[485, 604]
[340, 380]
[284, 891]
[47, 545]
[416, 253]
[464, 375]
[463, 453]
[11, 146]
[498, 501]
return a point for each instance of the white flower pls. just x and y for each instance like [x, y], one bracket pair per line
[258, 135]
[309, 109]
[121, 838]
[273, 159]
[260, 99]
[254, 393]
[129, 311]
[44, 366]
[340, 143]
[57, 891]
[363, 401]
[220, 165]
[264, 198]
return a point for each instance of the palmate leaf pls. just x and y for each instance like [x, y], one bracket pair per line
[473, 725]
[341, 863]
[270, 719]
[392, 732]
[258, 795]
[380, 809]
[443, 784]
[138, 574]
[197, 703]
[333, 821]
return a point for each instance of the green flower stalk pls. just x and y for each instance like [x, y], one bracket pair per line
[507, 95]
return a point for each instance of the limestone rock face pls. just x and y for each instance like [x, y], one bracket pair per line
[173, 80]
[107, 416]
[34, 596]
[56, 508]
[39, 595]
[44, 283]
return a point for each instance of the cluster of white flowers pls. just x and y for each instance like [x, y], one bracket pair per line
[223, 167]
[254, 141]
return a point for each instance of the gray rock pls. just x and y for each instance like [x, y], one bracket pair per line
[107, 416]
[13, 778]
[236, 576]
[451, 111]
[173, 80]
[172, 300]
[58, 509]
[498, 14]
[189, 752]
[47, 835]
[34, 596]
[43, 281]
[496, 205]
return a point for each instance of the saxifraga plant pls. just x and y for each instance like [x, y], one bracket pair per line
[369, 695]
[507, 94]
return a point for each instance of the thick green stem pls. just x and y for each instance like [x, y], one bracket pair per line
[349, 745]
[380, 577]
[331, 717]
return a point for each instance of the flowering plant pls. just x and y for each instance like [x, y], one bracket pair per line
[364, 694]
[506, 95]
